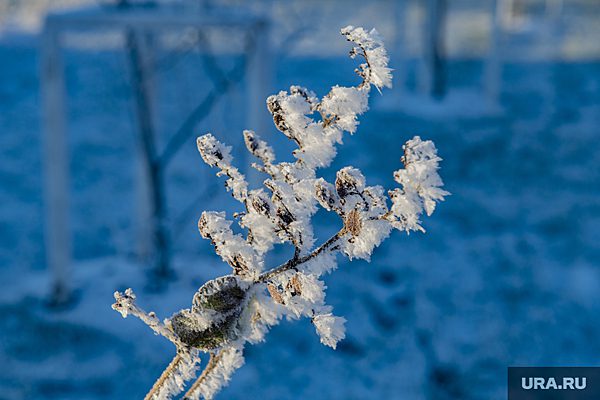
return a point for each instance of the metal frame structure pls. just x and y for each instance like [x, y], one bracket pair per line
[58, 235]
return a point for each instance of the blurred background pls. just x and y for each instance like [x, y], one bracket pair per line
[101, 187]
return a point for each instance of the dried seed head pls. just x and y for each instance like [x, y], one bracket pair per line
[278, 118]
[260, 203]
[285, 215]
[295, 286]
[349, 181]
[326, 195]
[124, 302]
[203, 227]
[308, 95]
[213, 151]
[239, 265]
[259, 148]
[353, 223]
[213, 225]
[275, 293]
[417, 150]
[251, 142]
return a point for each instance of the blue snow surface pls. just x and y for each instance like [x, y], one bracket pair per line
[507, 273]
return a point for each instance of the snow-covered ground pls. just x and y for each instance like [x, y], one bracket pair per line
[507, 273]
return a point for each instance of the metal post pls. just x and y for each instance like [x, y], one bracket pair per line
[259, 80]
[258, 77]
[138, 43]
[58, 241]
[145, 217]
[432, 72]
[492, 74]
[399, 58]
[57, 232]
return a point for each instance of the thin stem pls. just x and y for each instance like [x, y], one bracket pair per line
[212, 363]
[295, 262]
[365, 78]
[125, 304]
[296, 253]
[163, 377]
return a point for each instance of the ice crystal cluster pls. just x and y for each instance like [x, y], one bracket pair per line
[229, 312]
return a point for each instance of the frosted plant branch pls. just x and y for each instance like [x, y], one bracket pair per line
[160, 382]
[238, 309]
[125, 305]
[296, 263]
[172, 381]
[212, 362]
[217, 373]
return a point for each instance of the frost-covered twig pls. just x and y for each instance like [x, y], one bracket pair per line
[240, 308]
[183, 366]
[212, 361]
[295, 263]
[216, 374]
[172, 381]
[125, 305]
[160, 382]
